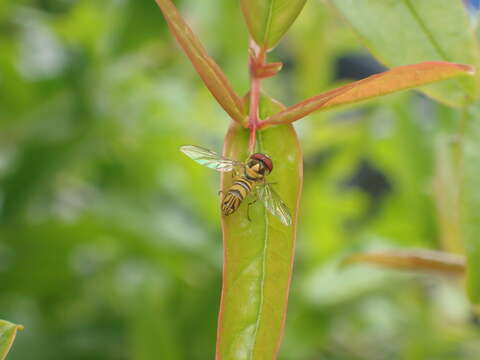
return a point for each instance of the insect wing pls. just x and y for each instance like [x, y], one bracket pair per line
[274, 204]
[209, 158]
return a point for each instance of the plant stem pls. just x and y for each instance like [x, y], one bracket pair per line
[255, 88]
[257, 61]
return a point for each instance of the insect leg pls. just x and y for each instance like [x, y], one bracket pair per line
[251, 203]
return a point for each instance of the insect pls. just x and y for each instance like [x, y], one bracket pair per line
[248, 178]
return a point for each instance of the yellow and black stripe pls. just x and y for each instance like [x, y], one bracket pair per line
[234, 196]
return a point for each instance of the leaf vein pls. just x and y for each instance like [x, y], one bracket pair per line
[425, 29]
[264, 270]
[268, 24]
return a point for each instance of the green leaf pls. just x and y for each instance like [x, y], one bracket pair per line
[207, 68]
[400, 32]
[268, 20]
[8, 331]
[418, 260]
[396, 79]
[258, 254]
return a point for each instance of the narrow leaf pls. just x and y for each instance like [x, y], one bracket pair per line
[396, 79]
[470, 201]
[207, 68]
[8, 331]
[268, 20]
[446, 186]
[418, 260]
[258, 254]
[410, 31]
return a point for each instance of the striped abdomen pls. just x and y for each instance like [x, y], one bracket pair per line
[234, 196]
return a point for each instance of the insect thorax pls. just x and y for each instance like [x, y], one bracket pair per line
[255, 170]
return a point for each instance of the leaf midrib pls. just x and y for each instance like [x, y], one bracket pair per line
[264, 270]
[430, 36]
[268, 24]
[426, 30]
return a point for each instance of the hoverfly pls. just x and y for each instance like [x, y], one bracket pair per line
[248, 177]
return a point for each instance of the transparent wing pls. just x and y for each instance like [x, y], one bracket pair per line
[274, 203]
[209, 158]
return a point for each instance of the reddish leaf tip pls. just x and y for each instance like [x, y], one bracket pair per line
[469, 69]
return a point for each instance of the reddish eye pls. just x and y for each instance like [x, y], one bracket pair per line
[264, 159]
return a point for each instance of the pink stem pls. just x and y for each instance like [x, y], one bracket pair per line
[257, 60]
[253, 117]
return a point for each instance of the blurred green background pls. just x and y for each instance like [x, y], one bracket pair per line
[110, 243]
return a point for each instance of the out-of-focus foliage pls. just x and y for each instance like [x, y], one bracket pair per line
[109, 237]
[446, 31]
[403, 32]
